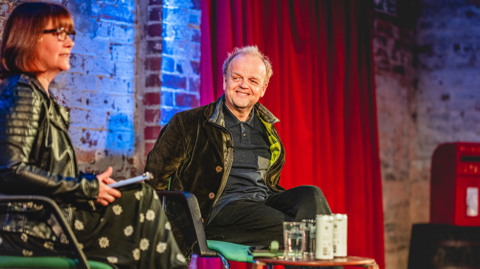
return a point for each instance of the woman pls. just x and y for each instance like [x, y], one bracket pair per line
[128, 228]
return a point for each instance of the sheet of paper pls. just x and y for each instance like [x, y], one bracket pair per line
[145, 176]
[472, 201]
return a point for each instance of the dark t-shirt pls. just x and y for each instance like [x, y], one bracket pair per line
[251, 159]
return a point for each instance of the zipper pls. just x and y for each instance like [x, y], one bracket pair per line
[92, 204]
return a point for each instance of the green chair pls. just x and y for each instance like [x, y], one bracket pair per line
[205, 248]
[47, 262]
[80, 260]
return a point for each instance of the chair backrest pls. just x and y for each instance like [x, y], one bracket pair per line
[72, 240]
[189, 202]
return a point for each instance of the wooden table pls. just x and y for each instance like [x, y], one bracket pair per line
[311, 261]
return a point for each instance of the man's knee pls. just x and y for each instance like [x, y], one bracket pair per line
[313, 195]
[310, 192]
[317, 192]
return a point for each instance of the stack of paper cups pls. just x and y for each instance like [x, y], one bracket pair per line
[324, 244]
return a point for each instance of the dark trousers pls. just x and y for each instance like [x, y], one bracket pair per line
[254, 223]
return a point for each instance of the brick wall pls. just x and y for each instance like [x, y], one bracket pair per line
[447, 99]
[393, 56]
[174, 68]
[448, 90]
[427, 94]
[6, 8]
[135, 64]
[100, 88]
[152, 65]
[181, 57]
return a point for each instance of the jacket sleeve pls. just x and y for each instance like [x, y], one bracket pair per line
[168, 153]
[21, 115]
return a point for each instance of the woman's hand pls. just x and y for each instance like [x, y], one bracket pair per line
[106, 194]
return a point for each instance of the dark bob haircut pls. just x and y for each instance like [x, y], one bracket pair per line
[23, 30]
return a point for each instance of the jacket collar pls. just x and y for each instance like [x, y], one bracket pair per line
[33, 81]
[217, 116]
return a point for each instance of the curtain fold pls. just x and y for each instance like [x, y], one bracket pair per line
[322, 90]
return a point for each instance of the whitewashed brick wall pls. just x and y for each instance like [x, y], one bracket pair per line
[173, 82]
[427, 94]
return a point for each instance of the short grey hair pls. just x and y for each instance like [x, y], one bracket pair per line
[249, 50]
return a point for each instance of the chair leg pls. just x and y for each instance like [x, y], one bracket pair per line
[225, 263]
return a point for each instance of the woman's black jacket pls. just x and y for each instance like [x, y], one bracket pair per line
[36, 154]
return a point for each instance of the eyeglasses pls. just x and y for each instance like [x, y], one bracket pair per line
[62, 34]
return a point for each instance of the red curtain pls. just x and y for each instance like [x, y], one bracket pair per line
[323, 92]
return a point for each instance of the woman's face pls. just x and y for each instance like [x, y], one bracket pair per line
[53, 55]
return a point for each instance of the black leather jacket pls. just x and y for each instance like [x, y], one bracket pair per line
[193, 149]
[36, 154]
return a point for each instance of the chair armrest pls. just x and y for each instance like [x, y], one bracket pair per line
[72, 240]
[189, 200]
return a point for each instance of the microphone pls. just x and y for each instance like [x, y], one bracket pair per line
[229, 144]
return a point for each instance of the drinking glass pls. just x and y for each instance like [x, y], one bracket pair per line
[310, 235]
[294, 239]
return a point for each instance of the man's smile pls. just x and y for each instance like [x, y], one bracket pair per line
[242, 93]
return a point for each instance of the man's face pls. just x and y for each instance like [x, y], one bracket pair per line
[244, 83]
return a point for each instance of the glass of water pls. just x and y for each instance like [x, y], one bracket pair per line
[310, 236]
[294, 240]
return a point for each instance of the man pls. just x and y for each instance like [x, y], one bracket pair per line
[229, 154]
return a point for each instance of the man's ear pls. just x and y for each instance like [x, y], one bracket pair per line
[224, 83]
[264, 89]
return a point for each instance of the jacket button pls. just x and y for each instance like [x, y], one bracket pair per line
[211, 195]
[203, 221]
[219, 169]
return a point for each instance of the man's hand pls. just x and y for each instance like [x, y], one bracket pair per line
[106, 194]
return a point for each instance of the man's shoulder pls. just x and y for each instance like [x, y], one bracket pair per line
[198, 113]
[193, 112]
